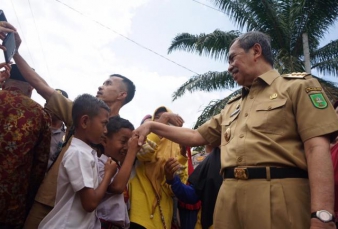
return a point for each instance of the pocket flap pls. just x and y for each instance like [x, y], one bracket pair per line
[229, 120]
[271, 105]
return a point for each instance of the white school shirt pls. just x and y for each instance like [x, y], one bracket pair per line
[78, 170]
[112, 207]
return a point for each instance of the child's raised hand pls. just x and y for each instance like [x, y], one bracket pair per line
[133, 143]
[110, 167]
[170, 168]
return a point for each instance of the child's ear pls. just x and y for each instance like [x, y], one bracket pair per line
[84, 121]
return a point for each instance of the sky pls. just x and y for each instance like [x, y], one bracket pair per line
[76, 44]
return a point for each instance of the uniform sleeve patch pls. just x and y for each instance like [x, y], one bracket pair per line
[309, 89]
[318, 100]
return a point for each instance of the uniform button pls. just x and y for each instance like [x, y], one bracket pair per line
[241, 135]
[246, 115]
[240, 159]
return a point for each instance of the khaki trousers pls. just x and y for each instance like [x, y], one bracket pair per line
[263, 204]
[36, 215]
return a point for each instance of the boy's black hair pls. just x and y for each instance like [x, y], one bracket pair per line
[86, 105]
[116, 123]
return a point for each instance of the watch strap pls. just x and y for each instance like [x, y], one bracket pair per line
[314, 215]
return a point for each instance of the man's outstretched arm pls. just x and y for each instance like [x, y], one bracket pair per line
[180, 135]
[30, 75]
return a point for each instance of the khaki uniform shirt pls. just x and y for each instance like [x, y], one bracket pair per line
[268, 125]
[62, 108]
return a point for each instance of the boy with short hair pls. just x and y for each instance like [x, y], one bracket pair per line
[120, 144]
[78, 189]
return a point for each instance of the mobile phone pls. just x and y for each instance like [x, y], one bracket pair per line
[9, 43]
[2, 16]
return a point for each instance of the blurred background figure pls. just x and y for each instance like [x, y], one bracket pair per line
[58, 132]
[24, 149]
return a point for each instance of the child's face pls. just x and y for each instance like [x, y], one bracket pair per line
[97, 127]
[116, 146]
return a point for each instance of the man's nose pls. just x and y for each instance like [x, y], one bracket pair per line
[230, 68]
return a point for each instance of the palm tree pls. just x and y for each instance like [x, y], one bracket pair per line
[284, 21]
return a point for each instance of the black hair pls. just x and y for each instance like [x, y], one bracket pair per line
[249, 39]
[130, 87]
[86, 105]
[116, 123]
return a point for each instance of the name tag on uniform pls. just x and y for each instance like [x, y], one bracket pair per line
[235, 112]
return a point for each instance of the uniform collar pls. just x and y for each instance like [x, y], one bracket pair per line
[267, 77]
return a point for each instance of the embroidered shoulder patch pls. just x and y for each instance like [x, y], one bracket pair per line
[318, 100]
[309, 89]
[232, 99]
[296, 75]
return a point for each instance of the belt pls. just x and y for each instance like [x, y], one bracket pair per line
[244, 173]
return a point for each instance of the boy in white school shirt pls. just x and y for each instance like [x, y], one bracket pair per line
[78, 189]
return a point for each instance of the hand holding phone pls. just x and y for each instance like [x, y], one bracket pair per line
[9, 44]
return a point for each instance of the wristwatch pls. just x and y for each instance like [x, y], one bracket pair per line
[323, 216]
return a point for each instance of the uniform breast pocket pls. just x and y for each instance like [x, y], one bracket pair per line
[270, 117]
[228, 126]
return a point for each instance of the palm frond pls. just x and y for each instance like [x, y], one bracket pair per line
[214, 108]
[206, 82]
[215, 44]
[325, 59]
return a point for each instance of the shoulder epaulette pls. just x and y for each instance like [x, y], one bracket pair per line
[296, 75]
[236, 97]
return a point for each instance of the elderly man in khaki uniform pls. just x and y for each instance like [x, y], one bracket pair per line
[274, 139]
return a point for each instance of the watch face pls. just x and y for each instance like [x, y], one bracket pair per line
[323, 215]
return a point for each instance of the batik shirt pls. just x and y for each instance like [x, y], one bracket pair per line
[24, 149]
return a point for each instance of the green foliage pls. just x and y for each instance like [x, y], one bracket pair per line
[284, 21]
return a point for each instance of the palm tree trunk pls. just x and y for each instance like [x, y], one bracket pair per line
[306, 53]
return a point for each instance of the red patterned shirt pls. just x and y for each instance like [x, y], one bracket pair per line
[24, 150]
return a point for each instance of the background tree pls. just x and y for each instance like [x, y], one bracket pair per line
[285, 22]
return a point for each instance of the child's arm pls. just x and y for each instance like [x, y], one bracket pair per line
[90, 198]
[121, 179]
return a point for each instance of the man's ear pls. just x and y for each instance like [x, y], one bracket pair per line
[84, 121]
[257, 50]
[123, 95]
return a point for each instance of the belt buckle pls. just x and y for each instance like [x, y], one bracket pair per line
[241, 173]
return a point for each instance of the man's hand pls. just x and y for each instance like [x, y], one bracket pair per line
[142, 132]
[6, 27]
[4, 74]
[171, 118]
[110, 168]
[170, 168]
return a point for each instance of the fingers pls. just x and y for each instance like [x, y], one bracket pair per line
[6, 25]
[2, 36]
[4, 64]
[141, 140]
[6, 30]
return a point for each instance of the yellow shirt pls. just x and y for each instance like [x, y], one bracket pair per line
[144, 209]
